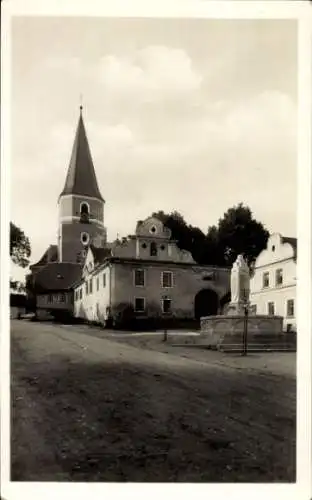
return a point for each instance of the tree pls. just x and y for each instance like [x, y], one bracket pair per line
[188, 237]
[240, 233]
[237, 232]
[19, 246]
[20, 252]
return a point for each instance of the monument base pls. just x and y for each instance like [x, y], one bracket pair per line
[263, 332]
[235, 309]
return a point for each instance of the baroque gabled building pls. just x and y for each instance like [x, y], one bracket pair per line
[147, 273]
[147, 276]
[273, 286]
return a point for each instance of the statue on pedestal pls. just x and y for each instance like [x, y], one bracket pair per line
[240, 286]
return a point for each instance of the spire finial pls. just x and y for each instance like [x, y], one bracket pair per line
[81, 107]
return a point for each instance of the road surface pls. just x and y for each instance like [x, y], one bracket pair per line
[86, 408]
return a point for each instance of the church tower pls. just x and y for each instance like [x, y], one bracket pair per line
[81, 205]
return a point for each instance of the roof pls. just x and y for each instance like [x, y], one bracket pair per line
[292, 242]
[49, 255]
[57, 276]
[168, 263]
[100, 254]
[81, 178]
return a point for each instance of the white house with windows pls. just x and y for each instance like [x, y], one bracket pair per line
[273, 286]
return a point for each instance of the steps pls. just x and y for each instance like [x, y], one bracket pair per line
[257, 348]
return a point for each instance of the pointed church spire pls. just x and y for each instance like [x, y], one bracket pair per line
[81, 178]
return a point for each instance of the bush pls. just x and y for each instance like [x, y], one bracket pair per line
[123, 316]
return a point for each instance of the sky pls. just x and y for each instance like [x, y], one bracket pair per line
[193, 115]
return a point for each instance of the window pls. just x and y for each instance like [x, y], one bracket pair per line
[153, 249]
[62, 297]
[153, 229]
[290, 308]
[87, 291]
[166, 306]
[50, 299]
[279, 277]
[85, 238]
[97, 283]
[90, 285]
[139, 277]
[273, 248]
[144, 245]
[271, 309]
[166, 279]
[84, 212]
[80, 293]
[266, 280]
[104, 280]
[84, 208]
[139, 304]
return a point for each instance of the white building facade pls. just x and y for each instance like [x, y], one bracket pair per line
[273, 286]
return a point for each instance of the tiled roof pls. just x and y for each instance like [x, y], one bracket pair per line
[292, 242]
[50, 255]
[81, 178]
[57, 276]
[100, 254]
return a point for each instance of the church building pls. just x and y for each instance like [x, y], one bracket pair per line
[145, 275]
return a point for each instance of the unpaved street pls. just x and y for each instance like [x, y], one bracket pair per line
[86, 408]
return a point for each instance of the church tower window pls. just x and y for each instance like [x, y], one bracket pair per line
[85, 238]
[84, 212]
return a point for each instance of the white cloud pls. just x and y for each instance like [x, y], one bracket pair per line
[267, 117]
[192, 128]
[154, 72]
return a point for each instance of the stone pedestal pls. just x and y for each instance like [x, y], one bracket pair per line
[236, 309]
[262, 331]
[226, 331]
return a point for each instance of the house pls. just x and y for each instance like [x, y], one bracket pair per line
[273, 286]
[147, 276]
[53, 285]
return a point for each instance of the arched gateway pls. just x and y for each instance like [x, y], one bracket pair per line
[206, 303]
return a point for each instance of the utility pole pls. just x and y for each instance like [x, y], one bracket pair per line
[245, 332]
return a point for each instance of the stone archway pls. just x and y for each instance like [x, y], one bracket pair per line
[206, 303]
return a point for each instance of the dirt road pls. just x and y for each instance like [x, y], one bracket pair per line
[86, 408]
